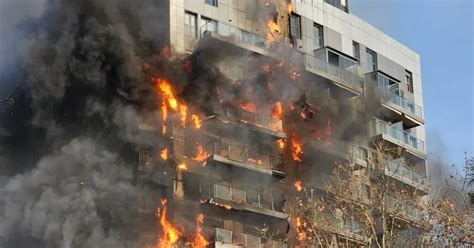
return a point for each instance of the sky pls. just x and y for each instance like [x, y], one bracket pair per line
[441, 31]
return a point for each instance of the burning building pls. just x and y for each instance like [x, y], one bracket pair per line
[227, 110]
[293, 86]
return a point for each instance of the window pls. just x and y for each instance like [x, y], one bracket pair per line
[409, 81]
[371, 60]
[318, 39]
[190, 29]
[340, 4]
[211, 2]
[208, 25]
[356, 50]
[295, 26]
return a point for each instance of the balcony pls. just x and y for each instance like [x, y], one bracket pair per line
[224, 238]
[246, 200]
[406, 211]
[399, 108]
[406, 175]
[259, 122]
[246, 158]
[380, 130]
[235, 39]
[342, 72]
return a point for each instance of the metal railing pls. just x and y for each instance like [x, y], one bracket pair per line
[377, 127]
[348, 75]
[257, 119]
[235, 34]
[245, 155]
[251, 198]
[402, 171]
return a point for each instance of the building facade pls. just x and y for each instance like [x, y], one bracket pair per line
[235, 174]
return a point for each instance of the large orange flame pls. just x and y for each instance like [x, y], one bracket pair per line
[277, 111]
[164, 154]
[201, 154]
[170, 234]
[281, 143]
[199, 240]
[297, 148]
[298, 185]
[248, 106]
[273, 31]
[197, 122]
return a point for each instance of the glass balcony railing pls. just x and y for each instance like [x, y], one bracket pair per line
[249, 197]
[391, 88]
[240, 239]
[235, 34]
[404, 209]
[377, 127]
[401, 171]
[246, 155]
[347, 75]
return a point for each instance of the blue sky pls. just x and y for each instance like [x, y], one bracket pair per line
[441, 31]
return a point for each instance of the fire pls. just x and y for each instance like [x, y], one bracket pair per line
[281, 143]
[197, 122]
[182, 166]
[201, 154]
[199, 240]
[183, 114]
[297, 148]
[170, 234]
[277, 111]
[290, 8]
[299, 229]
[248, 106]
[164, 154]
[272, 31]
[166, 90]
[298, 186]
[255, 161]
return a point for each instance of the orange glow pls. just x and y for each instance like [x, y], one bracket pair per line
[248, 106]
[297, 148]
[197, 122]
[255, 161]
[201, 154]
[199, 240]
[164, 154]
[183, 114]
[272, 31]
[290, 8]
[281, 143]
[295, 74]
[167, 92]
[277, 111]
[170, 234]
[298, 186]
[266, 68]
[299, 229]
[182, 166]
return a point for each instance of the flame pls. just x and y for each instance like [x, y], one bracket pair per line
[201, 154]
[170, 234]
[281, 143]
[167, 92]
[299, 229]
[272, 31]
[290, 7]
[199, 240]
[164, 116]
[183, 114]
[196, 121]
[248, 106]
[182, 166]
[297, 148]
[255, 161]
[277, 111]
[298, 185]
[164, 154]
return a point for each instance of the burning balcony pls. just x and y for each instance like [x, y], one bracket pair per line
[382, 131]
[342, 71]
[235, 39]
[243, 200]
[224, 238]
[388, 101]
[263, 123]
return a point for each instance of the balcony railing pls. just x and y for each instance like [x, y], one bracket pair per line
[347, 75]
[241, 239]
[377, 127]
[402, 171]
[257, 119]
[251, 198]
[246, 155]
[405, 209]
[235, 34]
[390, 87]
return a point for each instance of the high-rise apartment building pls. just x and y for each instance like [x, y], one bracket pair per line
[232, 170]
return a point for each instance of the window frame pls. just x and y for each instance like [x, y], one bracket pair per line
[187, 15]
[214, 3]
[356, 50]
[374, 66]
[318, 30]
[409, 81]
[298, 26]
